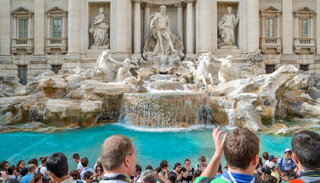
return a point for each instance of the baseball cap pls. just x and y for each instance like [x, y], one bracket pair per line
[287, 150]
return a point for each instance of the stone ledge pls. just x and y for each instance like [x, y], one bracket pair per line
[38, 58]
[317, 58]
[72, 57]
[5, 58]
[288, 58]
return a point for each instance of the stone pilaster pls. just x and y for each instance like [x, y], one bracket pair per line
[123, 28]
[39, 39]
[74, 26]
[5, 30]
[137, 27]
[287, 32]
[180, 20]
[253, 25]
[146, 23]
[318, 30]
[190, 28]
[205, 26]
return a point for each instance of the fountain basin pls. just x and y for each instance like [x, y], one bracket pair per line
[158, 110]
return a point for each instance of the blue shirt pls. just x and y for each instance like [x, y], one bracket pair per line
[84, 170]
[26, 178]
[240, 178]
[286, 165]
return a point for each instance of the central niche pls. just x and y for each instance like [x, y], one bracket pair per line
[99, 26]
[227, 24]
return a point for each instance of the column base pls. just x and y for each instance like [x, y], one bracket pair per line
[5, 58]
[38, 58]
[317, 58]
[288, 58]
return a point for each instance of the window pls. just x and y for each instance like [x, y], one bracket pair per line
[305, 27]
[304, 67]
[270, 28]
[23, 74]
[23, 28]
[56, 68]
[56, 27]
[270, 69]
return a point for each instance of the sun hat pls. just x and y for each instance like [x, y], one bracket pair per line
[287, 150]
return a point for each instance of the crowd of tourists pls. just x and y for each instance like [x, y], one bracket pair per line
[117, 164]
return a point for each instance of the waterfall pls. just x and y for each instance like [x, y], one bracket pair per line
[228, 106]
[162, 110]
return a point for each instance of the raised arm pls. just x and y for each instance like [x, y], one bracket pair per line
[213, 166]
[217, 59]
[114, 61]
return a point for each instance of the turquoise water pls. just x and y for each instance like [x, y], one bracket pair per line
[151, 147]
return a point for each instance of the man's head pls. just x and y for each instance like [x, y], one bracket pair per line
[33, 161]
[306, 149]
[172, 177]
[265, 171]
[76, 157]
[85, 162]
[287, 154]
[138, 170]
[32, 168]
[241, 149]
[88, 176]
[148, 177]
[57, 164]
[118, 154]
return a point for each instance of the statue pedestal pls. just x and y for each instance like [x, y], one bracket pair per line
[164, 64]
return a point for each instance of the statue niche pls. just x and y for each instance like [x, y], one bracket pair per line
[227, 28]
[99, 30]
[163, 48]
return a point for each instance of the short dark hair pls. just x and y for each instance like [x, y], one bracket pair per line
[75, 175]
[33, 161]
[197, 173]
[11, 169]
[3, 164]
[149, 167]
[290, 174]
[76, 156]
[266, 170]
[114, 149]
[163, 164]
[87, 175]
[186, 160]
[43, 159]
[172, 177]
[138, 169]
[84, 162]
[270, 179]
[57, 164]
[202, 158]
[240, 147]
[265, 155]
[306, 145]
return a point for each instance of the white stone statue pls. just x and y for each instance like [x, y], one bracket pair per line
[160, 26]
[99, 29]
[203, 73]
[124, 71]
[227, 25]
[226, 71]
[103, 69]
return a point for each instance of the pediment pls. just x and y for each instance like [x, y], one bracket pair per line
[21, 10]
[270, 9]
[56, 9]
[304, 10]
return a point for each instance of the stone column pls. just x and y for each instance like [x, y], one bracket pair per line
[123, 28]
[5, 31]
[253, 25]
[137, 27]
[146, 23]
[180, 20]
[39, 31]
[318, 30]
[74, 30]
[287, 31]
[190, 28]
[205, 28]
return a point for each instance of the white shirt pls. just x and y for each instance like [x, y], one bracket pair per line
[80, 167]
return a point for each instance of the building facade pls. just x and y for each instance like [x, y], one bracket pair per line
[38, 35]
